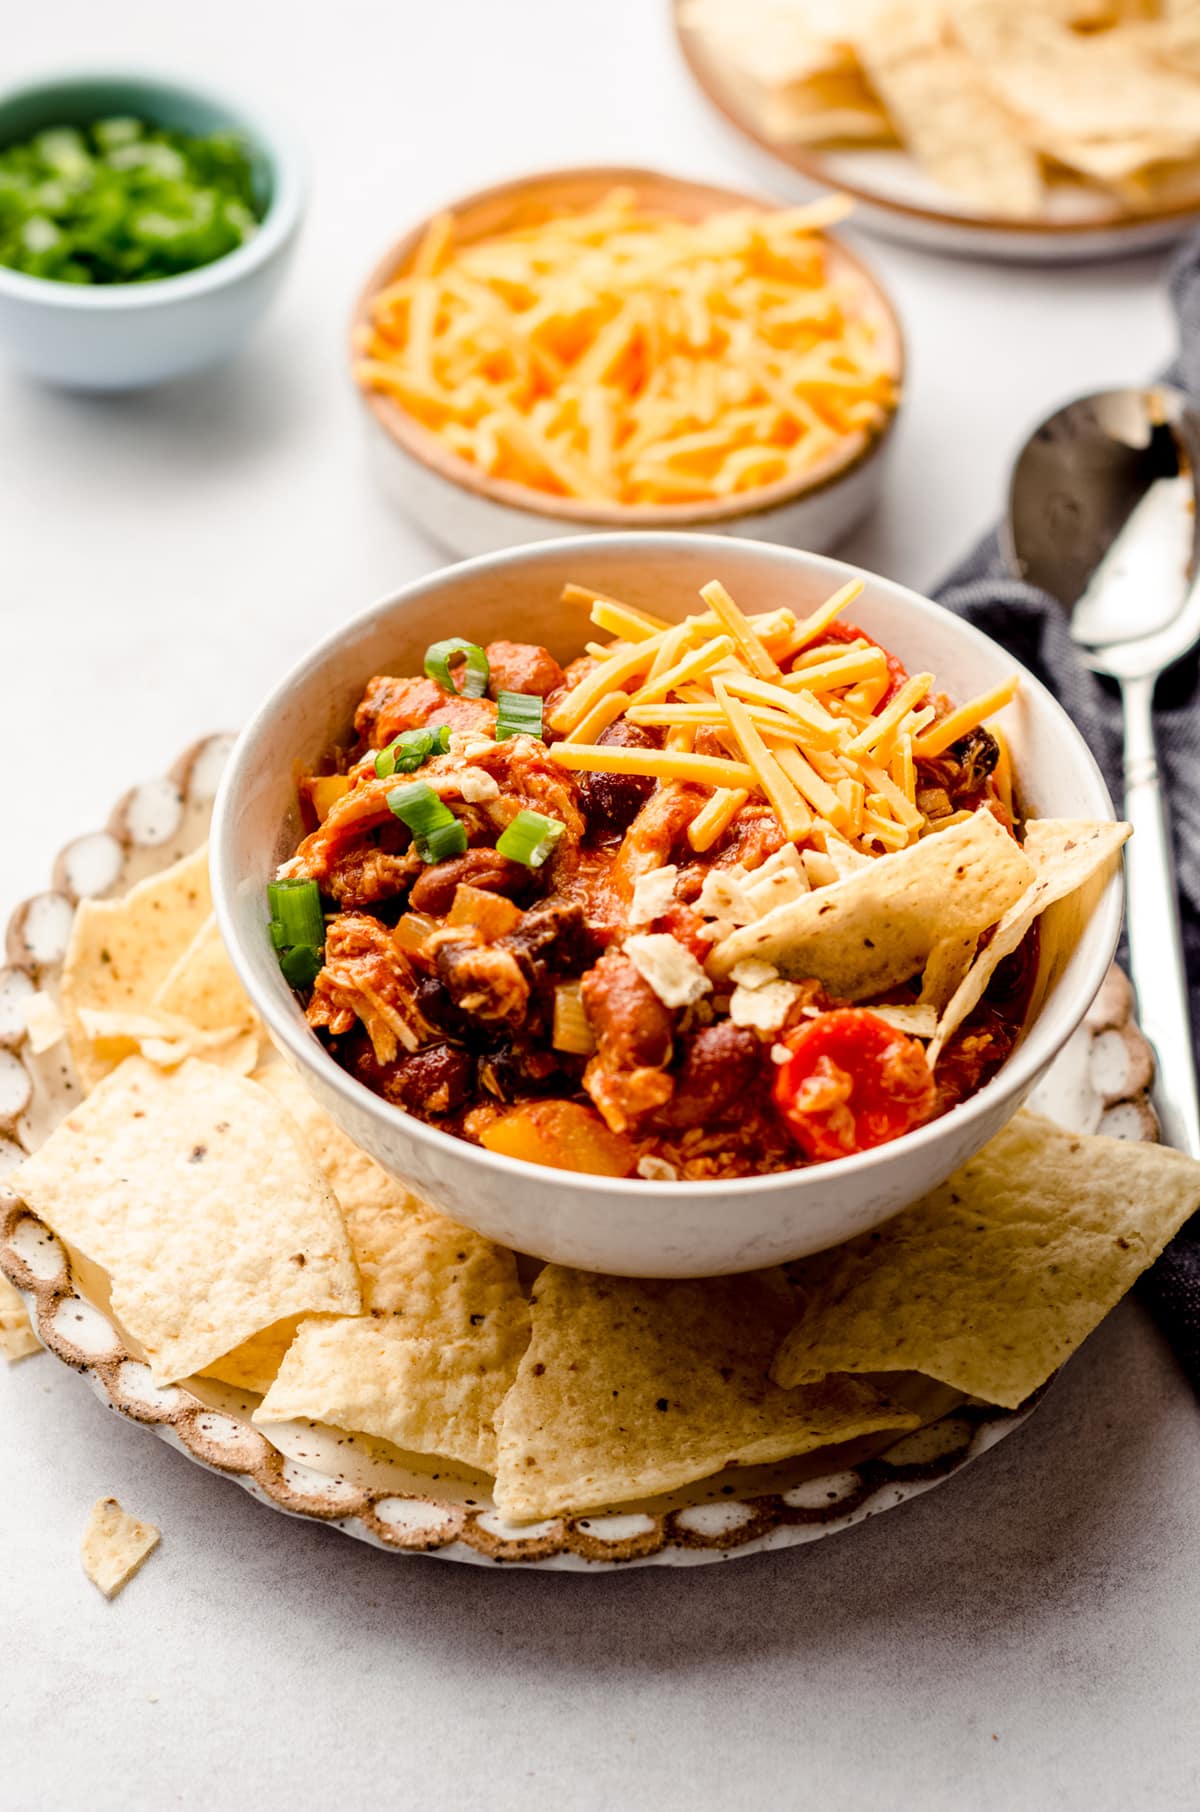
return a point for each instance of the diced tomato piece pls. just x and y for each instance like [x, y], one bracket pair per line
[852, 1082]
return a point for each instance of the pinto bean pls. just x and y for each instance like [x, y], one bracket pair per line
[633, 1029]
[433, 889]
[718, 1072]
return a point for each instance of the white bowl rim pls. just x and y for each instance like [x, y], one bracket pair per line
[1013, 1079]
[272, 137]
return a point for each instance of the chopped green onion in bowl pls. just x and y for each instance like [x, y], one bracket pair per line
[297, 929]
[436, 832]
[531, 838]
[123, 201]
[408, 751]
[475, 669]
[518, 714]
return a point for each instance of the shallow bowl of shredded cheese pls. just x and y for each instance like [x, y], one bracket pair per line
[613, 348]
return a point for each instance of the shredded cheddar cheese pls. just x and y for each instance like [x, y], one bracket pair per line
[620, 355]
[839, 770]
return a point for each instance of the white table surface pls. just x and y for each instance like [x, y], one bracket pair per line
[1025, 1637]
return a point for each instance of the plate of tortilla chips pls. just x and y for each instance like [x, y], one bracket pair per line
[194, 1235]
[1036, 129]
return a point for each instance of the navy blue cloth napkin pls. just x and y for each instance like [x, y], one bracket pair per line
[1034, 628]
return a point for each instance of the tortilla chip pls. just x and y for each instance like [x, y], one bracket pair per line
[372, 1202]
[448, 1320]
[879, 926]
[630, 1388]
[989, 1283]
[1066, 87]
[1066, 853]
[369, 1373]
[44, 1026]
[114, 1545]
[114, 1034]
[17, 1338]
[202, 986]
[936, 97]
[122, 950]
[253, 1365]
[194, 1192]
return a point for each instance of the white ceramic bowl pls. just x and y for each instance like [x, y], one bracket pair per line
[630, 1226]
[126, 336]
[467, 511]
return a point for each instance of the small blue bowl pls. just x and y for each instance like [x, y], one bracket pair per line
[128, 336]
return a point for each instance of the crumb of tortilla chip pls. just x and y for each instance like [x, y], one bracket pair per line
[114, 1545]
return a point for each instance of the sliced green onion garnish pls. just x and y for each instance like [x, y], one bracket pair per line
[406, 753]
[296, 906]
[437, 833]
[475, 669]
[446, 840]
[297, 929]
[518, 714]
[301, 965]
[530, 838]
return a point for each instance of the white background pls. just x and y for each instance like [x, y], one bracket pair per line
[1026, 1637]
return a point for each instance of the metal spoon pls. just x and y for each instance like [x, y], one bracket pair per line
[1102, 515]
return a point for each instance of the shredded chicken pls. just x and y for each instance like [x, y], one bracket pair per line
[365, 977]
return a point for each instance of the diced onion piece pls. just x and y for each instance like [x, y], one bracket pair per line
[476, 671]
[411, 930]
[572, 1028]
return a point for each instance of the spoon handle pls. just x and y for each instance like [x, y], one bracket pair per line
[1155, 943]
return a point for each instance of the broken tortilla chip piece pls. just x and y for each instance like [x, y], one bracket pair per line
[372, 1374]
[193, 1191]
[989, 1283]
[879, 926]
[202, 986]
[17, 1338]
[630, 1388]
[445, 1320]
[122, 950]
[254, 1364]
[1066, 853]
[162, 1039]
[114, 1545]
[941, 107]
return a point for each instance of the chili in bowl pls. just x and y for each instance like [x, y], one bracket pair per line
[698, 892]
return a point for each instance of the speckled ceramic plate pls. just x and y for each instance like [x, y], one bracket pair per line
[896, 199]
[365, 1488]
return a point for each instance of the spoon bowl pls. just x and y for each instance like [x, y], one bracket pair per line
[1102, 516]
